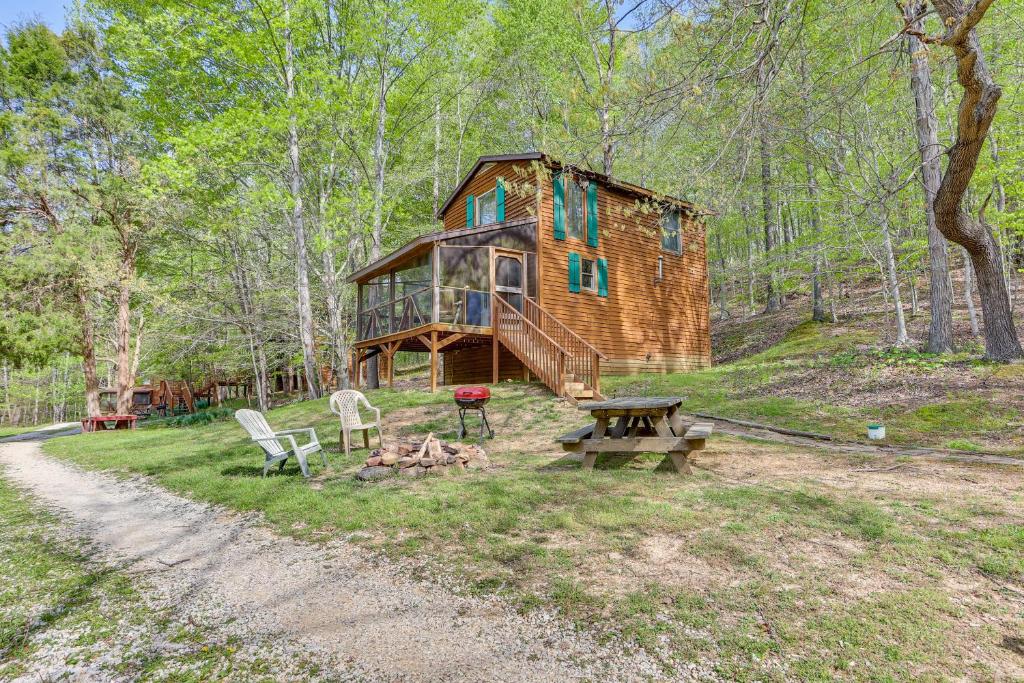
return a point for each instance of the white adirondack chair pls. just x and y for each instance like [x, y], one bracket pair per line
[271, 441]
[345, 404]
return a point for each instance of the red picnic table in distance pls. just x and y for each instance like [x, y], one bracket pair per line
[100, 422]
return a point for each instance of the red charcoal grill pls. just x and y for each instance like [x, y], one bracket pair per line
[473, 398]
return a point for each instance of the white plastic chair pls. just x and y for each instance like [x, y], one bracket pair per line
[345, 404]
[254, 423]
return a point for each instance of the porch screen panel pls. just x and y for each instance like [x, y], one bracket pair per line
[465, 286]
[376, 306]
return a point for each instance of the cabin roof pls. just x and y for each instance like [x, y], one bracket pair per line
[607, 180]
[423, 244]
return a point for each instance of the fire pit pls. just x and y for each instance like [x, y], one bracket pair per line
[473, 398]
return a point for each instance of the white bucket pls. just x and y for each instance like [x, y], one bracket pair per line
[876, 432]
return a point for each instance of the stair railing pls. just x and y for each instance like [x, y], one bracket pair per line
[583, 359]
[544, 356]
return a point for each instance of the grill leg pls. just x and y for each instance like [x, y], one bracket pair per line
[462, 423]
[485, 425]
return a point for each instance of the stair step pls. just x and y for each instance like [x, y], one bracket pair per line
[585, 393]
[573, 387]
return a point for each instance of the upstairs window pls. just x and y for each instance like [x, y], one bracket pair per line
[574, 218]
[671, 239]
[487, 208]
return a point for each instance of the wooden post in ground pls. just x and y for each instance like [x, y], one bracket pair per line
[392, 350]
[494, 341]
[433, 361]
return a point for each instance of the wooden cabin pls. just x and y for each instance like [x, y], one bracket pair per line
[543, 271]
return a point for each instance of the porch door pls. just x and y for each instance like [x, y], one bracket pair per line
[508, 278]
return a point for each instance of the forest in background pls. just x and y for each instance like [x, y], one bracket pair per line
[186, 186]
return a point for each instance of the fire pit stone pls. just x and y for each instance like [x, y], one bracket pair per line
[413, 458]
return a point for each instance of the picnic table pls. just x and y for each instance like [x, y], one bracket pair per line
[651, 424]
[99, 422]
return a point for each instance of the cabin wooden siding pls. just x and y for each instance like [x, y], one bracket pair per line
[644, 324]
[520, 192]
[472, 365]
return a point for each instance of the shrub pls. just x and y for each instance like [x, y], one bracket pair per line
[203, 417]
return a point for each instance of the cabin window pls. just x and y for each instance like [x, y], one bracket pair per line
[671, 240]
[574, 217]
[588, 275]
[487, 208]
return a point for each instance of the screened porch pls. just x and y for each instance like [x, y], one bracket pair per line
[447, 280]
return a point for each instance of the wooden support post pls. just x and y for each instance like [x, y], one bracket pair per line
[392, 350]
[433, 361]
[494, 342]
[596, 360]
[356, 360]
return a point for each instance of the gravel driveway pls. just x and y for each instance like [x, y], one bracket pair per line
[327, 602]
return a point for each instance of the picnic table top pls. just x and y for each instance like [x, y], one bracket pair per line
[632, 403]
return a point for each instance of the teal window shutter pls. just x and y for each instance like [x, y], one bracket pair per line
[592, 213]
[559, 198]
[499, 196]
[469, 211]
[602, 277]
[574, 272]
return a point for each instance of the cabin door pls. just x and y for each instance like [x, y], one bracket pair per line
[508, 277]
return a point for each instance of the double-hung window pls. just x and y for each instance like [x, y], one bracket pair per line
[588, 275]
[671, 239]
[487, 208]
[574, 218]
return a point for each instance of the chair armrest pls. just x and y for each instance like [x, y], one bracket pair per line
[277, 438]
[309, 431]
[376, 411]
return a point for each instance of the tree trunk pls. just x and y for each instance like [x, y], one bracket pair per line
[137, 355]
[817, 297]
[437, 154]
[972, 314]
[92, 382]
[940, 329]
[767, 199]
[974, 117]
[301, 257]
[122, 334]
[892, 276]
[379, 171]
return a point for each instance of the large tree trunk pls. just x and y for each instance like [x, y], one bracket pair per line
[940, 329]
[301, 257]
[92, 381]
[977, 109]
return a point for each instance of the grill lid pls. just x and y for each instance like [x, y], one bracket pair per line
[472, 393]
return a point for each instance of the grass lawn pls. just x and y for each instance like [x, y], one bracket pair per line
[770, 563]
[829, 379]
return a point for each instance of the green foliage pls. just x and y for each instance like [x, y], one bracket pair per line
[202, 417]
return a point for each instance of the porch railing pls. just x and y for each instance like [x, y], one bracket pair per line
[456, 306]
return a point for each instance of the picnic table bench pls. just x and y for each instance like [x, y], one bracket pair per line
[653, 424]
[99, 422]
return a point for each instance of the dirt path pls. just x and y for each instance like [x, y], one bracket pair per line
[854, 448]
[229, 574]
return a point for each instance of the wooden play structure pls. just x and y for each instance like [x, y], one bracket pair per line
[542, 271]
[162, 397]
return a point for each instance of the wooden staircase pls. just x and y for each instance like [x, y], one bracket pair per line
[559, 357]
